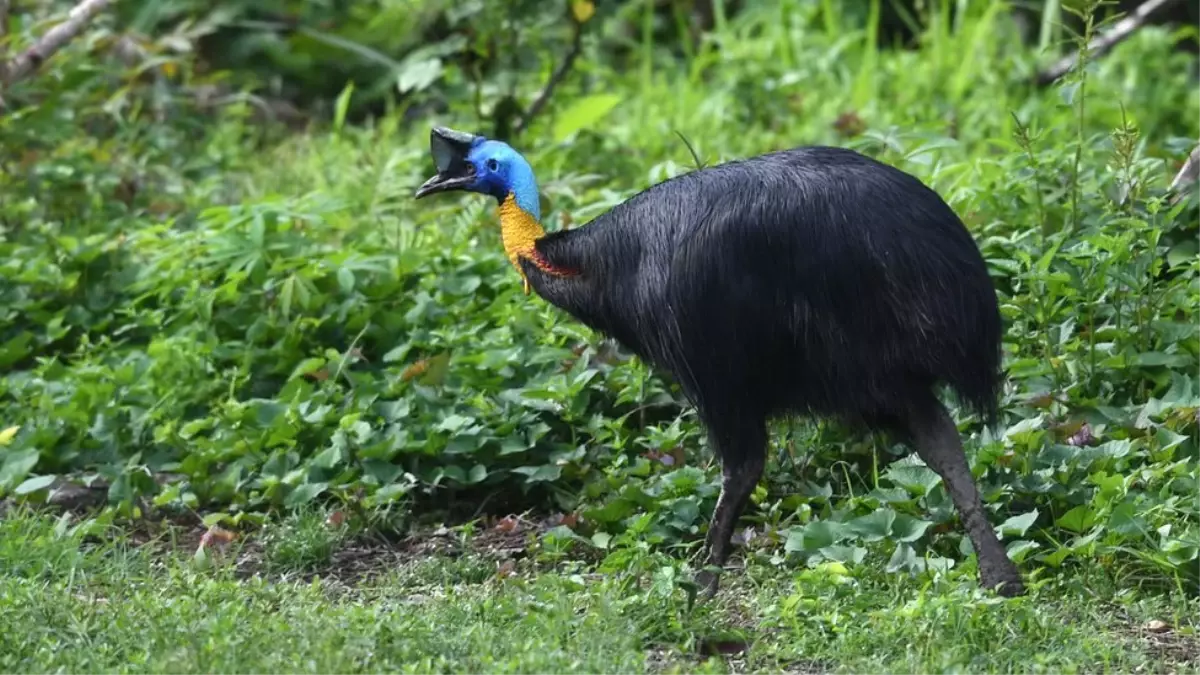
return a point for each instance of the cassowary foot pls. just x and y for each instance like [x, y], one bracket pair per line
[1001, 577]
[709, 583]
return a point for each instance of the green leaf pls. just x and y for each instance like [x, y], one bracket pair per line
[1183, 254]
[17, 466]
[1126, 521]
[345, 277]
[845, 554]
[307, 366]
[819, 534]
[1019, 549]
[454, 423]
[539, 474]
[611, 512]
[35, 484]
[341, 106]
[304, 493]
[1017, 525]
[912, 475]
[418, 74]
[1161, 359]
[909, 529]
[1077, 519]
[601, 539]
[874, 526]
[477, 474]
[1181, 553]
[328, 458]
[582, 114]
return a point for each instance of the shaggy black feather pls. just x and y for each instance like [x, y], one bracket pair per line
[809, 281]
[813, 280]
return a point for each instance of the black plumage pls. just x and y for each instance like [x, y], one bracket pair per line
[815, 281]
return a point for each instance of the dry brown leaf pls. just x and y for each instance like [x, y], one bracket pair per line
[506, 569]
[1157, 626]
[216, 538]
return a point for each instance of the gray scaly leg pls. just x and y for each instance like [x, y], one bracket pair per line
[938, 444]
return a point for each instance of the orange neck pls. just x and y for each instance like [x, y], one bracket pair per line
[519, 231]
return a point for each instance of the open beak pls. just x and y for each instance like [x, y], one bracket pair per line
[449, 149]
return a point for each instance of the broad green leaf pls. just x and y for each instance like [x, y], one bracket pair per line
[307, 367]
[909, 529]
[328, 458]
[612, 512]
[17, 466]
[1018, 550]
[845, 554]
[417, 75]
[477, 474]
[538, 474]
[1017, 525]
[35, 484]
[304, 493]
[821, 533]
[584, 113]
[1181, 553]
[345, 278]
[912, 475]
[1077, 519]
[1126, 521]
[1183, 254]
[873, 526]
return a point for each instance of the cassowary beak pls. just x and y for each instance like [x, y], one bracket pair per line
[449, 149]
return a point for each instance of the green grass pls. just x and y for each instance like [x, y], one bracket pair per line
[106, 605]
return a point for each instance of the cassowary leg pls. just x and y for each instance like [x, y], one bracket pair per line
[742, 456]
[938, 443]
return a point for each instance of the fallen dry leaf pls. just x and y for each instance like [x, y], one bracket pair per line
[849, 124]
[507, 524]
[1157, 626]
[217, 538]
[506, 569]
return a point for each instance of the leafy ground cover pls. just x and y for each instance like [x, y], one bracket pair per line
[106, 601]
[209, 321]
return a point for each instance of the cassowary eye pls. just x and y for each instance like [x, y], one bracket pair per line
[493, 165]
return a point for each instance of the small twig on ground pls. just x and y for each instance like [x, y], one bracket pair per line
[556, 77]
[55, 39]
[1106, 40]
[1189, 174]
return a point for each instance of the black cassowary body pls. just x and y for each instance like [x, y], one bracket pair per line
[813, 280]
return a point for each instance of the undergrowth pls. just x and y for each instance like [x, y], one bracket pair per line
[203, 316]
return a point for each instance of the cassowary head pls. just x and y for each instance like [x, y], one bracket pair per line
[470, 163]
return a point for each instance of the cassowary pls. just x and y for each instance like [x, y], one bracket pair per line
[813, 281]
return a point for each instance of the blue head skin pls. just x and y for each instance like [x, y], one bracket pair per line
[472, 163]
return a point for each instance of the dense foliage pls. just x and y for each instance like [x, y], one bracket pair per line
[201, 312]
